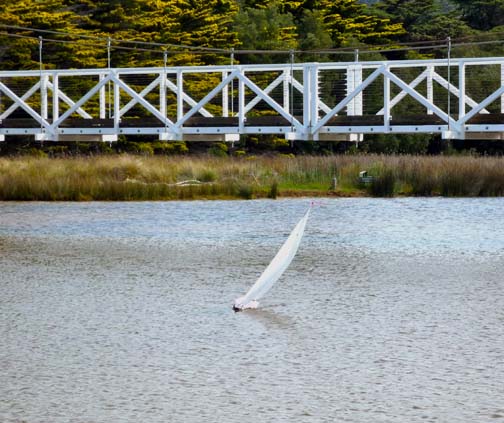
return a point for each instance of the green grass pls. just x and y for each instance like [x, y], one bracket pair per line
[130, 177]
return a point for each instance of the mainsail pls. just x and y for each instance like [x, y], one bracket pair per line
[275, 269]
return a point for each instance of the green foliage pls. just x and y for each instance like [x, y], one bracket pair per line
[266, 142]
[273, 191]
[218, 149]
[239, 153]
[383, 185]
[36, 152]
[206, 175]
[144, 148]
[54, 15]
[309, 25]
[482, 14]
[312, 32]
[161, 147]
[396, 144]
[347, 20]
[266, 28]
[245, 191]
[192, 23]
[423, 20]
[248, 24]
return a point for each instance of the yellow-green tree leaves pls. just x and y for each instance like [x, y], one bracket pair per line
[80, 29]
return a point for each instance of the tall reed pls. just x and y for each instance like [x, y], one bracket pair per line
[129, 177]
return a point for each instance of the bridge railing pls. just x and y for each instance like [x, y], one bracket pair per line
[458, 98]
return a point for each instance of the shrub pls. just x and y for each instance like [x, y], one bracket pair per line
[240, 153]
[273, 192]
[219, 149]
[35, 152]
[383, 185]
[145, 149]
[245, 191]
[206, 175]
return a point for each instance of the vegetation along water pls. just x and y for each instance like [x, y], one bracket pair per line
[130, 177]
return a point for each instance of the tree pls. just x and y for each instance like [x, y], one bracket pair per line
[53, 15]
[86, 24]
[423, 20]
[482, 14]
[347, 20]
[266, 28]
[312, 34]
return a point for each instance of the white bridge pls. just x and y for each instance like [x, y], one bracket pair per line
[458, 98]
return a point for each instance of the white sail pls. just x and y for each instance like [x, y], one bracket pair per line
[275, 269]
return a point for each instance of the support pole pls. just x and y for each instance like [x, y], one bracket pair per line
[291, 54]
[103, 102]
[225, 96]
[462, 90]
[117, 105]
[109, 89]
[43, 87]
[354, 79]
[241, 103]
[232, 82]
[43, 97]
[449, 81]
[307, 103]
[286, 91]
[502, 84]
[386, 102]
[430, 88]
[314, 95]
[162, 87]
[55, 91]
[180, 95]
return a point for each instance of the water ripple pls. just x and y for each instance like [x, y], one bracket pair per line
[392, 311]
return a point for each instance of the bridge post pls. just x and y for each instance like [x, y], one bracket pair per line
[307, 103]
[2, 136]
[225, 96]
[162, 93]
[117, 105]
[286, 91]
[55, 97]
[354, 79]
[180, 95]
[502, 84]
[43, 96]
[386, 102]
[314, 96]
[103, 103]
[241, 103]
[310, 101]
[462, 90]
[430, 88]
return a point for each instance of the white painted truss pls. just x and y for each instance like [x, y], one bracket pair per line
[460, 98]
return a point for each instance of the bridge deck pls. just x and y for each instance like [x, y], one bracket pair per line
[256, 121]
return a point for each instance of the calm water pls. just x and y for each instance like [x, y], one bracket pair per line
[392, 311]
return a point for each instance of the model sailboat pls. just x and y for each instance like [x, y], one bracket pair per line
[275, 269]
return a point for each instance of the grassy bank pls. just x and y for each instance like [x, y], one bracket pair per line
[127, 177]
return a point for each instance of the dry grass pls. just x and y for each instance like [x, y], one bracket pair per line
[128, 177]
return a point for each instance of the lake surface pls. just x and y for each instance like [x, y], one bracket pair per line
[392, 311]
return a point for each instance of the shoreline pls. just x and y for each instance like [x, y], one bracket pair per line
[163, 178]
